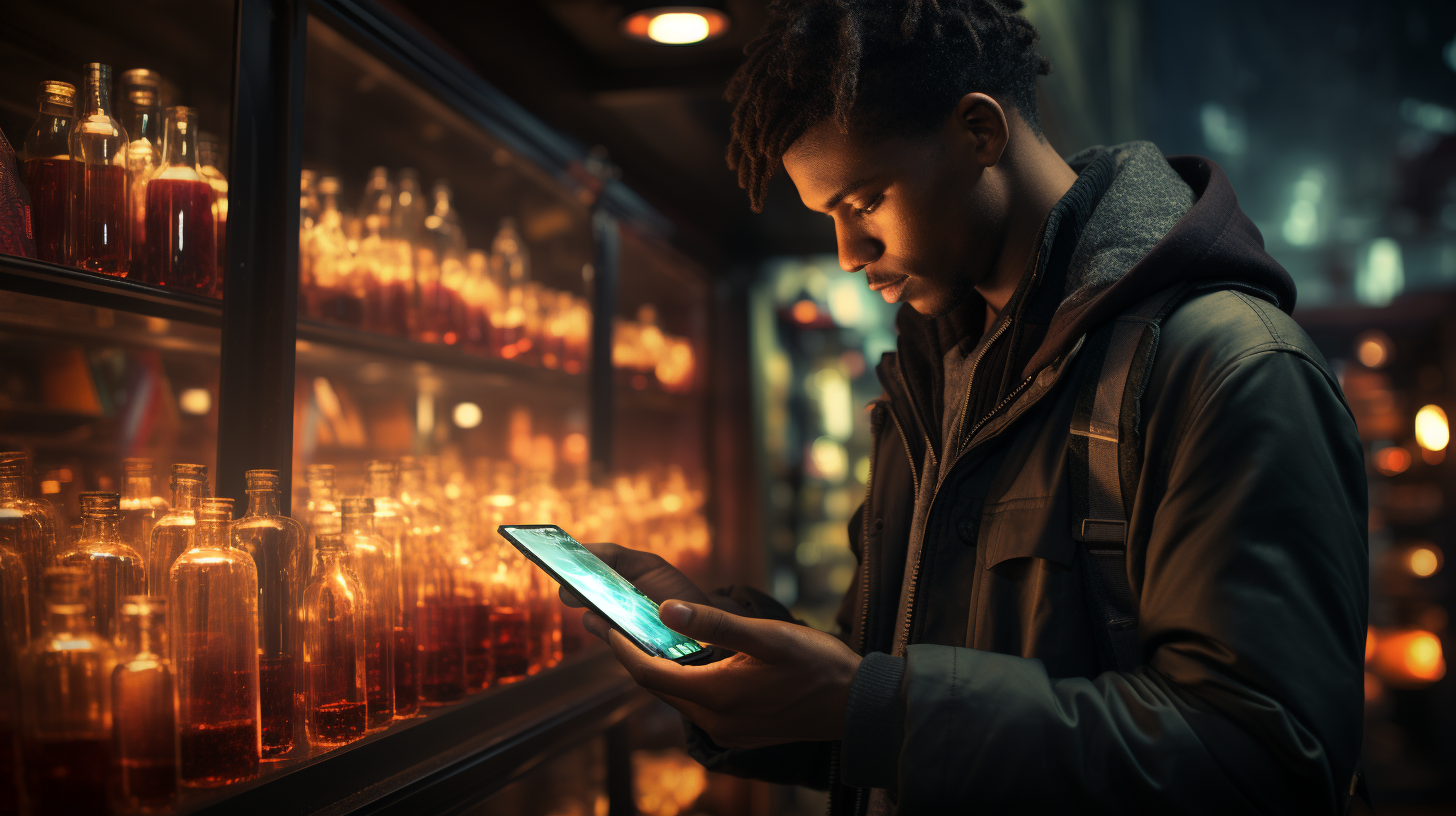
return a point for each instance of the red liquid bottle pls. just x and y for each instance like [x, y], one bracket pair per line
[209, 163]
[510, 617]
[181, 249]
[65, 674]
[335, 696]
[389, 522]
[479, 634]
[99, 226]
[114, 564]
[47, 169]
[439, 627]
[371, 558]
[141, 115]
[215, 654]
[276, 544]
[144, 720]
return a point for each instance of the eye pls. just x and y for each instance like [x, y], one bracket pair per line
[870, 207]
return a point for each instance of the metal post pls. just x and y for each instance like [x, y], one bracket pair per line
[260, 295]
[604, 310]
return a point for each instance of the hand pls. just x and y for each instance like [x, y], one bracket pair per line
[786, 683]
[650, 573]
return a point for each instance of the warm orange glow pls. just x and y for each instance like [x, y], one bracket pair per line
[1431, 457]
[1424, 561]
[1373, 349]
[676, 25]
[1370, 644]
[1373, 688]
[805, 311]
[1392, 461]
[574, 449]
[1433, 432]
[1409, 658]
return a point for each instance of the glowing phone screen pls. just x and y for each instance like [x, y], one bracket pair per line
[613, 595]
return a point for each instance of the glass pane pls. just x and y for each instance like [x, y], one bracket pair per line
[129, 79]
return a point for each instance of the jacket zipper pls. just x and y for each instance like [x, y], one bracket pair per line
[864, 549]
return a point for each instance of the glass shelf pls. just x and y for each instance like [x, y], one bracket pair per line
[29, 277]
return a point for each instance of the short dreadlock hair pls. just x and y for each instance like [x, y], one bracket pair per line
[878, 67]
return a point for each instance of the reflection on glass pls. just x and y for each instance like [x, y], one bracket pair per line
[333, 616]
[371, 558]
[144, 726]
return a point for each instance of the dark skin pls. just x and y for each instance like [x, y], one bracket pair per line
[929, 218]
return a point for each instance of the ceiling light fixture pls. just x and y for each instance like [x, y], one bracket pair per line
[675, 25]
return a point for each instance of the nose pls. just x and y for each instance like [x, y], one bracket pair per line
[857, 248]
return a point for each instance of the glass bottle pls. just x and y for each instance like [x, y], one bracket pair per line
[382, 306]
[172, 534]
[335, 697]
[209, 164]
[510, 618]
[383, 487]
[47, 169]
[65, 676]
[443, 318]
[321, 514]
[141, 114]
[140, 506]
[475, 589]
[144, 719]
[15, 591]
[541, 502]
[181, 249]
[335, 295]
[372, 559]
[113, 563]
[27, 527]
[215, 653]
[439, 626]
[276, 544]
[407, 217]
[98, 227]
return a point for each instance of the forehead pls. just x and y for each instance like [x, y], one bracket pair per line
[825, 160]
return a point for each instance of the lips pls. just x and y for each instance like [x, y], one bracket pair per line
[890, 287]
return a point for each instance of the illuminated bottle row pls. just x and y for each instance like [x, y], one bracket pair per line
[129, 190]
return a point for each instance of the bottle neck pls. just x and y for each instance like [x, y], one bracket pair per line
[187, 495]
[213, 534]
[145, 123]
[383, 486]
[180, 145]
[68, 618]
[358, 525]
[13, 488]
[136, 487]
[321, 490]
[327, 561]
[263, 503]
[102, 528]
[97, 99]
[146, 635]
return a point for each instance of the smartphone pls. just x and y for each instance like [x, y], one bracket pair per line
[603, 590]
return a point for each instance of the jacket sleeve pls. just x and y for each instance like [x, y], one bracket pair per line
[1252, 622]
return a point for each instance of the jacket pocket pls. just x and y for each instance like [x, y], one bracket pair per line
[1034, 527]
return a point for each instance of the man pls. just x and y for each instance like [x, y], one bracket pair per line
[970, 671]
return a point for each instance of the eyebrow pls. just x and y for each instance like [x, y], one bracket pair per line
[839, 196]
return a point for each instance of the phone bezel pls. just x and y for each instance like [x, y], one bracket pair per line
[700, 656]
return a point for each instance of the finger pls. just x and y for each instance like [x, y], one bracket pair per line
[569, 598]
[700, 686]
[760, 638]
[596, 624]
[642, 666]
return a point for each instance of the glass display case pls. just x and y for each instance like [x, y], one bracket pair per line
[322, 309]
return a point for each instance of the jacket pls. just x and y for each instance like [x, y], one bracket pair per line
[981, 687]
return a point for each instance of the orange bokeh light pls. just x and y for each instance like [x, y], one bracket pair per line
[805, 311]
[1392, 461]
[1409, 658]
[1369, 644]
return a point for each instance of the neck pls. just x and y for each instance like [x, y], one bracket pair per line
[358, 525]
[137, 487]
[186, 496]
[98, 528]
[1036, 178]
[263, 503]
[12, 489]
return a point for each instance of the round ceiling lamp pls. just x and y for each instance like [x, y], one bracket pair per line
[675, 25]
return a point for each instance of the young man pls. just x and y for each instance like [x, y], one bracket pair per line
[977, 666]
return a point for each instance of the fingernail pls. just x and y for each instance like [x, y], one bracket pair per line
[676, 614]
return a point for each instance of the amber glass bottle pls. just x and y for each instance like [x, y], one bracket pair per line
[140, 112]
[276, 544]
[27, 527]
[510, 618]
[114, 564]
[15, 592]
[98, 228]
[48, 169]
[439, 623]
[372, 560]
[65, 675]
[144, 701]
[321, 514]
[181, 234]
[335, 697]
[172, 534]
[215, 646]
[141, 507]
[210, 163]
[383, 487]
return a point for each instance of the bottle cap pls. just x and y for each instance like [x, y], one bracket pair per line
[141, 78]
[383, 466]
[358, 506]
[320, 473]
[138, 466]
[14, 464]
[330, 541]
[56, 92]
[100, 504]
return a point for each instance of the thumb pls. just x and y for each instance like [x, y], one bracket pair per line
[709, 624]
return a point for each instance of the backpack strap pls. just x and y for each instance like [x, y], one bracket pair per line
[1103, 459]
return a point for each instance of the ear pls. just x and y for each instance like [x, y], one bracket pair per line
[982, 123]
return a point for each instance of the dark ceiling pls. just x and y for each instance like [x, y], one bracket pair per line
[658, 110]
